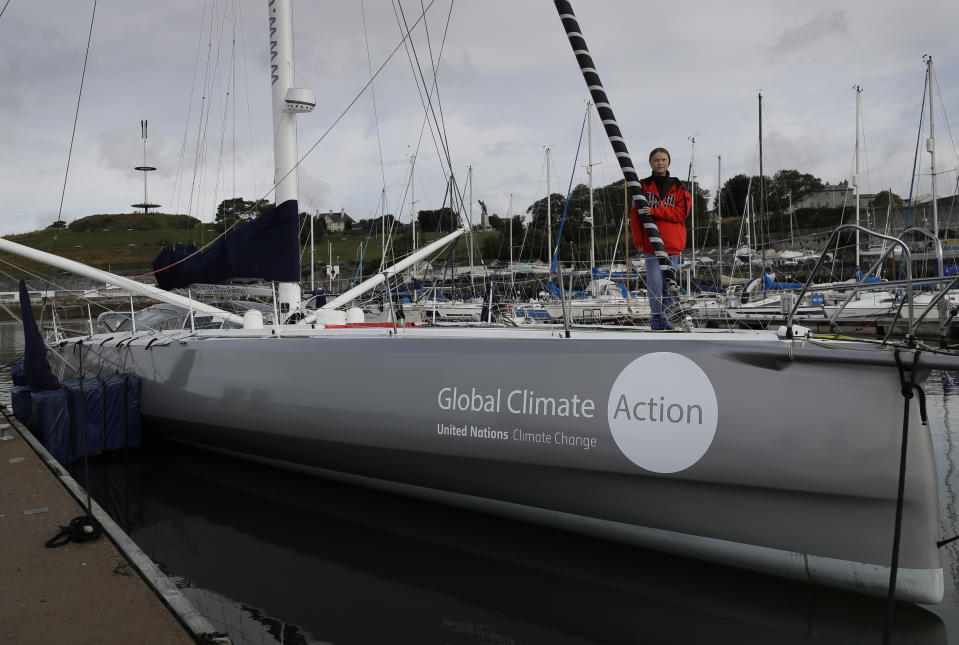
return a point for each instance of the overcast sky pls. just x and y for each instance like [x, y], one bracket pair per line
[509, 87]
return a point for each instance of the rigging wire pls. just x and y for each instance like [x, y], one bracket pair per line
[444, 140]
[178, 175]
[348, 107]
[376, 118]
[559, 236]
[945, 116]
[7, 4]
[915, 159]
[76, 114]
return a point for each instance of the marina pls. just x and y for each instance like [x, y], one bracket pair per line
[740, 424]
[269, 556]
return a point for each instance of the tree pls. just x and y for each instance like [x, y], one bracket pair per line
[537, 211]
[319, 228]
[441, 219]
[237, 211]
[795, 183]
[736, 189]
[882, 200]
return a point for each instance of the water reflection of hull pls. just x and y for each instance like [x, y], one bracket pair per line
[301, 558]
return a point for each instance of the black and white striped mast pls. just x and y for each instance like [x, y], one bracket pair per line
[601, 101]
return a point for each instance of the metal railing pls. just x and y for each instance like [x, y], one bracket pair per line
[895, 241]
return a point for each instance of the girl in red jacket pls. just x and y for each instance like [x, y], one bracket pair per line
[669, 204]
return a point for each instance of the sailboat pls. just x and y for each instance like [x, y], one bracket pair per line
[689, 443]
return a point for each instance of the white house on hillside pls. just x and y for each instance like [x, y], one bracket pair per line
[834, 196]
[337, 222]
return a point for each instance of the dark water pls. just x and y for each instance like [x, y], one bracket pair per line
[276, 557]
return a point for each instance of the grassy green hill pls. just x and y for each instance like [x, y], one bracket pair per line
[120, 243]
[128, 243]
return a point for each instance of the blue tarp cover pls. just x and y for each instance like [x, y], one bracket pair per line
[50, 423]
[86, 406]
[22, 404]
[19, 378]
[122, 394]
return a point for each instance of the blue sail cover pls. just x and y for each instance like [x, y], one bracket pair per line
[267, 248]
[36, 369]
[771, 285]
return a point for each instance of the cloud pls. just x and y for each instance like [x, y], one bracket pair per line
[821, 26]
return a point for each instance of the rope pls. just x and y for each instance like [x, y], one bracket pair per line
[906, 388]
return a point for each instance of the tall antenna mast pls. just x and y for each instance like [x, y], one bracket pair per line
[549, 212]
[589, 173]
[692, 179]
[931, 149]
[761, 219]
[719, 210]
[146, 205]
[856, 176]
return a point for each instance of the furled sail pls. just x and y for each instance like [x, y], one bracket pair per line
[265, 248]
[36, 368]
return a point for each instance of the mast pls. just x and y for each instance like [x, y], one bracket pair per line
[589, 174]
[469, 177]
[549, 212]
[931, 148]
[692, 177]
[719, 211]
[509, 222]
[792, 241]
[383, 227]
[412, 202]
[312, 251]
[855, 178]
[762, 186]
[287, 102]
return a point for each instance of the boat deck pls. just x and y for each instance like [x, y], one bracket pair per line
[91, 592]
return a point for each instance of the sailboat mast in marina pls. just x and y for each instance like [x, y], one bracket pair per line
[856, 176]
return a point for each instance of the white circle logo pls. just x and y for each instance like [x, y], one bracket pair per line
[663, 412]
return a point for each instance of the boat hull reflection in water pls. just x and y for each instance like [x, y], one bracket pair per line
[272, 556]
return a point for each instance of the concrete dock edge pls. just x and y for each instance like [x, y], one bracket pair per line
[183, 610]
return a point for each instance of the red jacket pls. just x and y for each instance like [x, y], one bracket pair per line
[669, 211]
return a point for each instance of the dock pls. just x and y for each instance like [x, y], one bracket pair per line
[102, 591]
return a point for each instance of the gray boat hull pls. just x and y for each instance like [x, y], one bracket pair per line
[740, 448]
